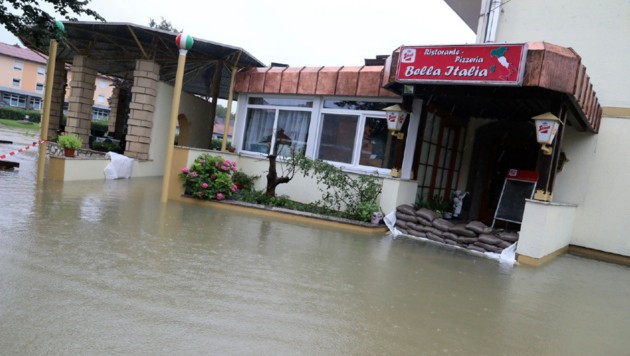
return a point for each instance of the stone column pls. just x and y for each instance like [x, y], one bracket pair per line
[113, 112]
[140, 123]
[81, 98]
[58, 98]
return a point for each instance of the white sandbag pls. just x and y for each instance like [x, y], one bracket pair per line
[119, 167]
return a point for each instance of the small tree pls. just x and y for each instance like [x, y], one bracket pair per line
[25, 18]
[163, 25]
[288, 171]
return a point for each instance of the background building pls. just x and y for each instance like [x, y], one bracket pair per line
[23, 77]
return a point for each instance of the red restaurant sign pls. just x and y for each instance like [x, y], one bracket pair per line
[501, 64]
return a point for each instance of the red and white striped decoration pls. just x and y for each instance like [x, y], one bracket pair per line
[22, 149]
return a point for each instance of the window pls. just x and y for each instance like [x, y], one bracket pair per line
[100, 114]
[101, 99]
[35, 103]
[277, 126]
[16, 82]
[41, 70]
[14, 100]
[39, 87]
[17, 65]
[440, 157]
[102, 84]
[355, 133]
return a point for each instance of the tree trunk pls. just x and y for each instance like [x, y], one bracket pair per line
[272, 178]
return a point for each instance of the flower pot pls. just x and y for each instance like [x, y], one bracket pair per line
[69, 152]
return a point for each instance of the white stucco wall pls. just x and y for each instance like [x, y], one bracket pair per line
[195, 110]
[597, 31]
[596, 176]
[600, 188]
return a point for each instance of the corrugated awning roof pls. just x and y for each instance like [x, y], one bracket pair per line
[116, 47]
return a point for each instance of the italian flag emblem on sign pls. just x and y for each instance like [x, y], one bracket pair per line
[184, 41]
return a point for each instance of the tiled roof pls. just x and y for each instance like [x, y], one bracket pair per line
[22, 53]
[347, 81]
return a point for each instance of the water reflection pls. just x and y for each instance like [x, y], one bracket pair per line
[102, 267]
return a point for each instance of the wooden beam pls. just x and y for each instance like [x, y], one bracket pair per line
[133, 34]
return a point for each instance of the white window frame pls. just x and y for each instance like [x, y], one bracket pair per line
[242, 118]
[315, 127]
[41, 70]
[39, 87]
[17, 82]
[35, 103]
[354, 166]
[18, 65]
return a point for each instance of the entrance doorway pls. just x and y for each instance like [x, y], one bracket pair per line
[499, 147]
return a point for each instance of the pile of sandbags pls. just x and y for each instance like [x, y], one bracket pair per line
[474, 236]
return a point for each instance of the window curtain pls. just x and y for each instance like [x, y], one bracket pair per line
[293, 124]
[258, 130]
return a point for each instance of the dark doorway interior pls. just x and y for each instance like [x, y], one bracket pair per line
[498, 147]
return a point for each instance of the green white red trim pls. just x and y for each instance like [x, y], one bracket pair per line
[184, 41]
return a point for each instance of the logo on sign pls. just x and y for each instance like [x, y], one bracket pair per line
[544, 128]
[408, 55]
[513, 172]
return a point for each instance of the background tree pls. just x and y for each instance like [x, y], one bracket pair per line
[24, 17]
[163, 25]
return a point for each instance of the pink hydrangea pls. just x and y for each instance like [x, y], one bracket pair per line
[234, 188]
[185, 170]
[220, 196]
[216, 164]
[224, 168]
[193, 174]
[204, 185]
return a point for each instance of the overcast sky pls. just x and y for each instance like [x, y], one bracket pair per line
[299, 33]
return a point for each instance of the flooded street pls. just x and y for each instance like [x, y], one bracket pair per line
[102, 267]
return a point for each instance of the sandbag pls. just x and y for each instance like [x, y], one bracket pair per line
[405, 217]
[417, 233]
[508, 236]
[401, 224]
[461, 230]
[434, 237]
[423, 221]
[427, 214]
[450, 242]
[416, 227]
[489, 248]
[406, 209]
[467, 240]
[489, 239]
[450, 236]
[479, 227]
[476, 248]
[434, 231]
[504, 244]
[442, 224]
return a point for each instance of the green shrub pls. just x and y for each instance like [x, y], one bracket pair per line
[19, 114]
[70, 141]
[209, 177]
[216, 143]
[106, 147]
[243, 181]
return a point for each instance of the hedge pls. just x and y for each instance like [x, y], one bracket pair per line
[19, 114]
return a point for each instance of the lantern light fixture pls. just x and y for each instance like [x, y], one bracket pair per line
[396, 117]
[547, 126]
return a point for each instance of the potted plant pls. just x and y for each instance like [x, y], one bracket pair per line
[70, 142]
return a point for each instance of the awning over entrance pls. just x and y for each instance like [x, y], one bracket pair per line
[116, 47]
[552, 76]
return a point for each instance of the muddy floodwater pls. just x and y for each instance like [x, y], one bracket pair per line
[103, 268]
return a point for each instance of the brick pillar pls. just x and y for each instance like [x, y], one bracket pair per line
[140, 123]
[57, 99]
[113, 112]
[81, 98]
